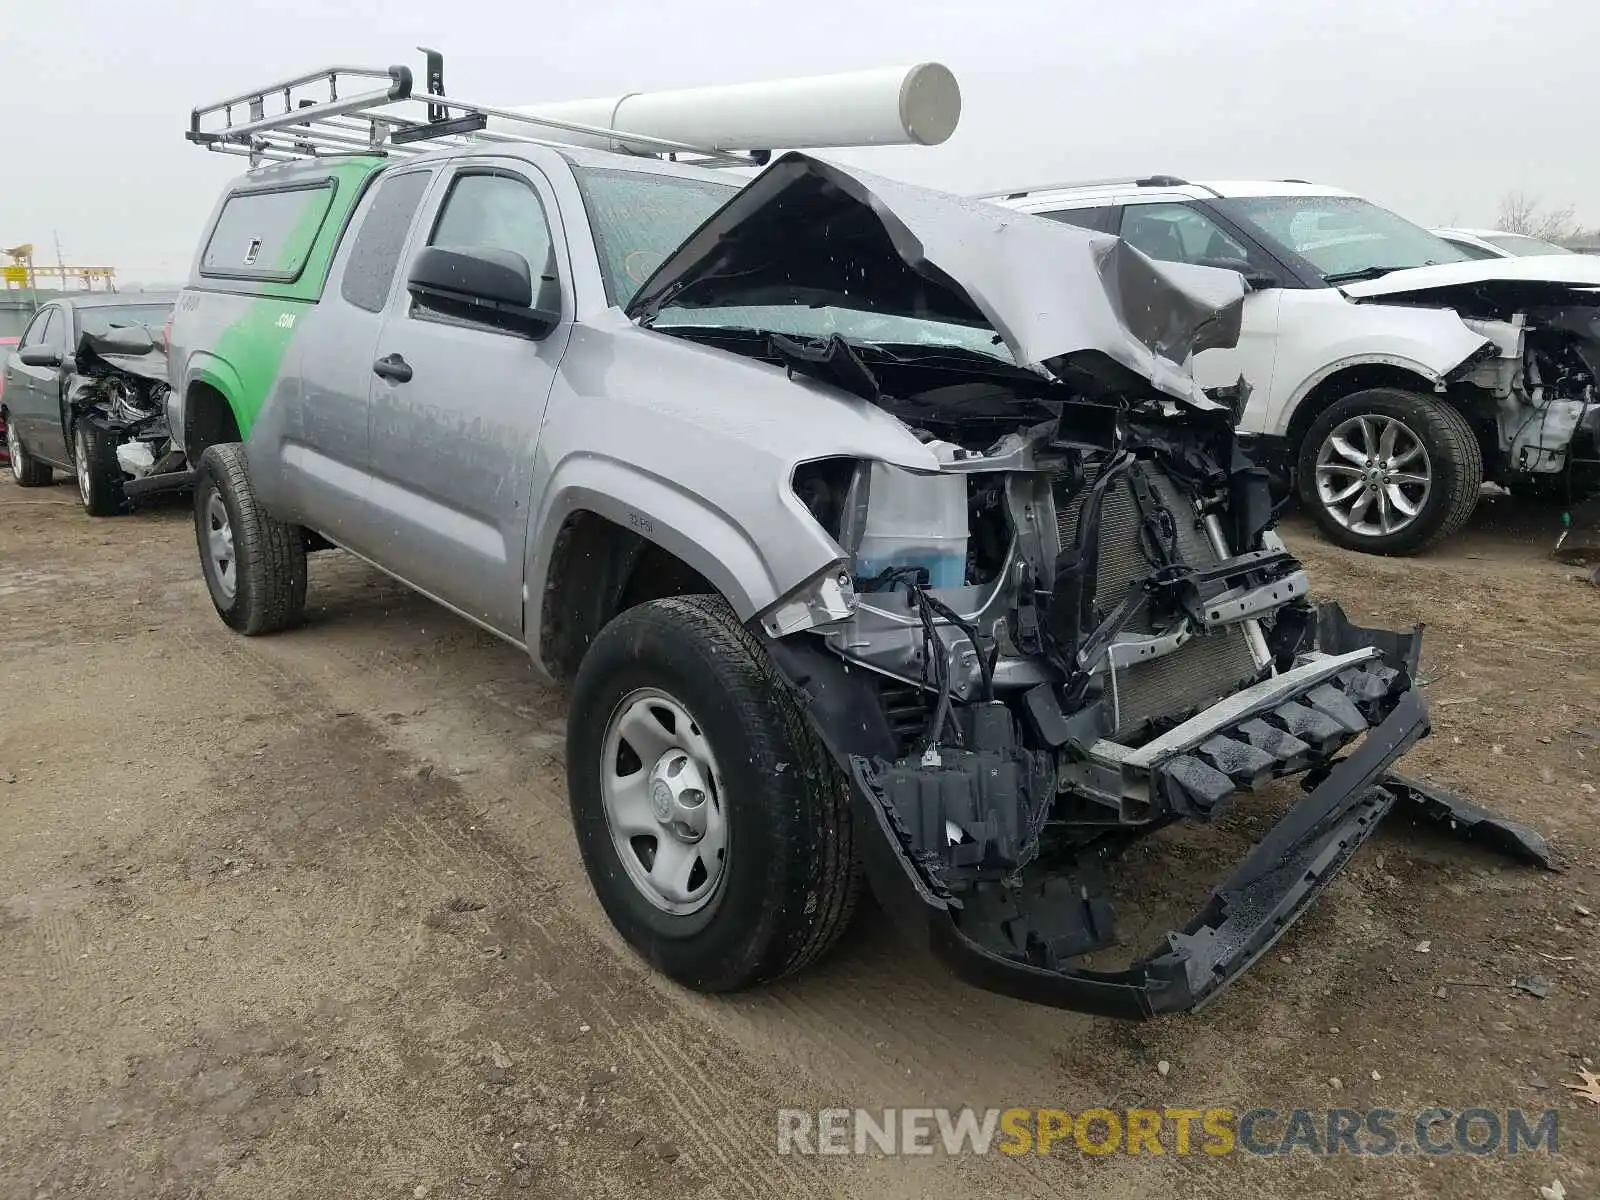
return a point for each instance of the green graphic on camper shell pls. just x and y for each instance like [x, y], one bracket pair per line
[250, 349]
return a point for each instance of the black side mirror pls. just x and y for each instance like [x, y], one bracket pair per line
[481, 284]
[1253, 279]
[40, 356]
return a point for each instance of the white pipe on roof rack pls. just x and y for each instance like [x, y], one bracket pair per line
[916, 105]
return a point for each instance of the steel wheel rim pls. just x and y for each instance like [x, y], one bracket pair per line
[14, 450]
[219, 546]
[81, 444]
[1373, 475]
[664, 802]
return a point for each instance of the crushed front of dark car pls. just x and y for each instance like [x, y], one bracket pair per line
[1079, 630]
[119, 388]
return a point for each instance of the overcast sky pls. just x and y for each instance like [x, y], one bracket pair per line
[1433, 108]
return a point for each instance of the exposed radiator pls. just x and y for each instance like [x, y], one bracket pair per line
[1202, 670]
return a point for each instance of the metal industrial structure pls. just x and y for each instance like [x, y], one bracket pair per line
[22, 272]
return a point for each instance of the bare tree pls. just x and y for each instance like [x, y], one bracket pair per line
[1525, 214]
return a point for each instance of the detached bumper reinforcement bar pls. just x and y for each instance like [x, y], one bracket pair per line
[150, 485]
[1247, 913]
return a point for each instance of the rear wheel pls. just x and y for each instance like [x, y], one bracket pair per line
[94, 451]
[1387, 471]
[255, 567]
[25, 470]
[715, 829]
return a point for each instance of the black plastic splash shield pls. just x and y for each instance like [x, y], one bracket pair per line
[1458, 815]
[1269, 890]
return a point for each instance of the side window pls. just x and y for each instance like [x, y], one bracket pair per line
[1098, 219]
[34, 334]
[491, 210]
[59, 332]
[494, 212]
[1178, 233]
[267, 234]
[375, 254]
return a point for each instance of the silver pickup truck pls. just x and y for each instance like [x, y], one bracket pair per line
[874, 527]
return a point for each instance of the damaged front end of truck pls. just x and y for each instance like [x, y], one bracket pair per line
[1079, 628]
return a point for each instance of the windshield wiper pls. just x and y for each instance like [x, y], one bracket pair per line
[1363, 273]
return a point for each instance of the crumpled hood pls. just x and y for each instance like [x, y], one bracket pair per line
[1081, 306]
[1535, 280]
[107, 350]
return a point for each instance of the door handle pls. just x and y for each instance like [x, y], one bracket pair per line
[393, 367]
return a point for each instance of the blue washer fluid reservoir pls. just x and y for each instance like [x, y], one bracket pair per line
[915, 520]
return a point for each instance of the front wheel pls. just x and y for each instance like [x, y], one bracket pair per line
[715, 829]
[1386, 471]
[255, 567]
[94, 451]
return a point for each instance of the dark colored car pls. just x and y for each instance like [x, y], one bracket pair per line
[85, 391]
[5, 452]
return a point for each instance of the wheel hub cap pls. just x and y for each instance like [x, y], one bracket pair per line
[82, 445]
[1373, 474]
[663, 802]
[14, 450]
[219, 546]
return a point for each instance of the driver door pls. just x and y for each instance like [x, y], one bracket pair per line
[456, 406]
[33, 394]
[1172, 231]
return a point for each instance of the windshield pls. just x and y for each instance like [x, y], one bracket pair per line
[639, 218]
[1521, 244]
[1343, 237]
[101, 321]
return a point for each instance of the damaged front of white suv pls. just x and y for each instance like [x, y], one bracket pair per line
[1530, 384]
[1077, 631]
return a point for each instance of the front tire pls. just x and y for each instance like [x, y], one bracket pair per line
[94, 450]
[255, 567]
[1387, 471]
[25, 470]
[714, 827]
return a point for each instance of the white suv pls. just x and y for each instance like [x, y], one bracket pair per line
[1388, 374]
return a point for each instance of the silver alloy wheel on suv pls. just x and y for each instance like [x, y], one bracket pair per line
[1373, 474]
[219, 544]
[14, 450]
[663, 802]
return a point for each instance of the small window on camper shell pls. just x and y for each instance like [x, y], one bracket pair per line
[267, 233]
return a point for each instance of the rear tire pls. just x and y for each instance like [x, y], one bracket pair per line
[94, 450]
[1387, 471]
[785, 882]
[254, 566]
[24, 469]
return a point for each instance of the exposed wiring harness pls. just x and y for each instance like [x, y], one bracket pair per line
[929, 610]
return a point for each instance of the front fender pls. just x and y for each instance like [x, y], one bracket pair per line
[1316, 342]
[688, 526]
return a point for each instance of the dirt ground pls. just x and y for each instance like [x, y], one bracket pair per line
[304, 916]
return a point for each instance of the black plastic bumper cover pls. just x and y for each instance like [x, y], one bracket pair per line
[1247, 913]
